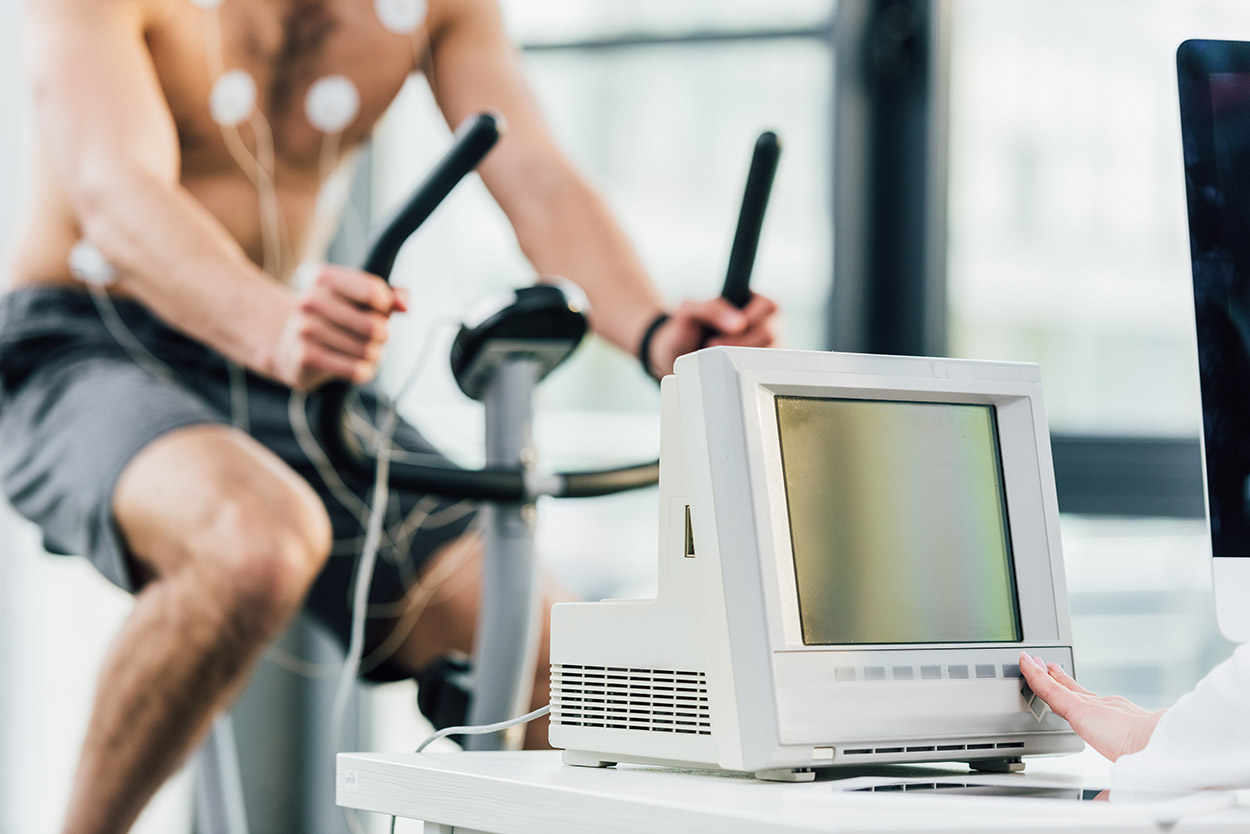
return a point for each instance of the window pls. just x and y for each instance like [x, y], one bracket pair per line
[659, 104]
[563, 22]
[1068, 247]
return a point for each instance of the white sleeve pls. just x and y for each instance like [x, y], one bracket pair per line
[1201, 742]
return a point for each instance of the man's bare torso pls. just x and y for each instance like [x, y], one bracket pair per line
[285, 45]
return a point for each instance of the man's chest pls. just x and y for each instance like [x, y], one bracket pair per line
[282, 48]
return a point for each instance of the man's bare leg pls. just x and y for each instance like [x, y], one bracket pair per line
[227, 540]
[447, 623]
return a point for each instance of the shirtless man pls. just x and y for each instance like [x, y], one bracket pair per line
[221, 536]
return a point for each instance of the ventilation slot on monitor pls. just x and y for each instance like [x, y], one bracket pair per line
[616, 698]
[975, 747]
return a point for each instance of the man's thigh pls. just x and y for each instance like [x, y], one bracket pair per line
[121, 463]
[209, 497]
[66, 436]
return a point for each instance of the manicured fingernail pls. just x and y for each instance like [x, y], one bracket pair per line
[1037, 660]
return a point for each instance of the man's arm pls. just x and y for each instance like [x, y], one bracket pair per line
[563, 226]
[110, 135]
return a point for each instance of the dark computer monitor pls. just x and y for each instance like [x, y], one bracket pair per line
[1214, 85]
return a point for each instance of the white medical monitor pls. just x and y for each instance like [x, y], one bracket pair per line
[854, 550]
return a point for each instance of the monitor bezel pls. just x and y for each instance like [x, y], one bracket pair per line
[1030, 561]
[1196, 62]
[1028, 479]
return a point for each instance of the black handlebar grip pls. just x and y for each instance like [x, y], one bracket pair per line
[737, 288]
[472, 141]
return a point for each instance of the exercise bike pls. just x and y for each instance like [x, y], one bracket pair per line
[499, 359]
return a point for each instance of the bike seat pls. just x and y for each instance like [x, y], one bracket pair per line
[544, 322]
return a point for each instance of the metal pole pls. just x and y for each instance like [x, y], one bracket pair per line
[507, 634]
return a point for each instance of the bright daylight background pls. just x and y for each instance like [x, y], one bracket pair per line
[1067, 247]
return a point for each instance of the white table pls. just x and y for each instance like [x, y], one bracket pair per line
[513, 793]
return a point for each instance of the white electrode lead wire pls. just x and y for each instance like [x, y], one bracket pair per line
[271, 210]
[484, 729]
[381, 440]
[259, 167]
[297, 413]
[213, 47]
[239, 405]
[328, 162]
[364, 579]
[125, 338]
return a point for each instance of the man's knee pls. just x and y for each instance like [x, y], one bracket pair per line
[219, 510]
[265, 544]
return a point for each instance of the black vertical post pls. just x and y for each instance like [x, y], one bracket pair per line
[889, 288]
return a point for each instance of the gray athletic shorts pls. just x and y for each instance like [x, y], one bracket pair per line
[75, 408]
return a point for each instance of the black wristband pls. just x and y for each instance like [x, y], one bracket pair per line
[644, 347]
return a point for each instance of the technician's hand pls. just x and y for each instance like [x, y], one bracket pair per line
[710, 323]
[1113, 726]
[335, 329]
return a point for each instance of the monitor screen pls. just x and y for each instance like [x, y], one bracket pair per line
[898, 522]
[1215, 119]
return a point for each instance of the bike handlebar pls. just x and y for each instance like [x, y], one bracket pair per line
[472, 141]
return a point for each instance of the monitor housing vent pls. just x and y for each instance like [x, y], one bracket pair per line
[619, 698]
[979, 748]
